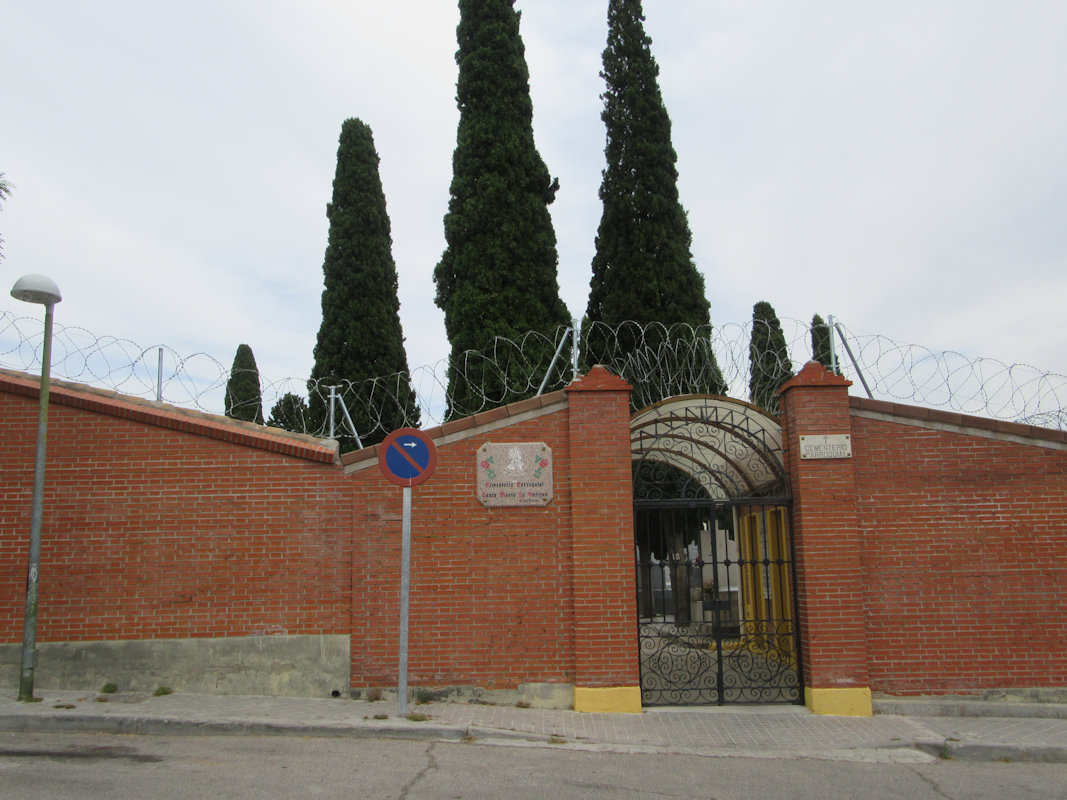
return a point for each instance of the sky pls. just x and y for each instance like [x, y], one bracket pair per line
[899, 165]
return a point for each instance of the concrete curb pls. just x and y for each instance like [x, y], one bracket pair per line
[1002, 752]
[969, 708]
[974, 751]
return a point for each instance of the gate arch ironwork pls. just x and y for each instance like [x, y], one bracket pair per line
[716, 616]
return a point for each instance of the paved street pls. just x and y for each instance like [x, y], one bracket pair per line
[87, 745]
[1019, 732]
[58, 766]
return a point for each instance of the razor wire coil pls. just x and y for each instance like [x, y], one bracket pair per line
[658, 360]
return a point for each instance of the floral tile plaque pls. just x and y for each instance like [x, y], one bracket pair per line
[514, 474]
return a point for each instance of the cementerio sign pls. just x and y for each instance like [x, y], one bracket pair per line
[834, 445]
[514, 474]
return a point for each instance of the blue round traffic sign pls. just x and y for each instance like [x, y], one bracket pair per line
[407, 457]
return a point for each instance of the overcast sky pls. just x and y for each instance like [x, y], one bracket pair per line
[900, 165]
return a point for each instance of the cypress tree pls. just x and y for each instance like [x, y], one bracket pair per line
[497, 276]
[290, 413]
[643, 268]
[360, 337]
[768, 358]
[243, 398]
[820, 341]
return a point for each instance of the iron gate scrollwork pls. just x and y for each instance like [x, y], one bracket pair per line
[717, 622]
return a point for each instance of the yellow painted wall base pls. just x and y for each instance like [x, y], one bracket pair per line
[839, 702]
[612, 699]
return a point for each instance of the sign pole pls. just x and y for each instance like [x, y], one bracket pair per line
[406, 457]
[405, 592]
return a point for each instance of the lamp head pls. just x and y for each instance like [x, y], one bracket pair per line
[36, 289]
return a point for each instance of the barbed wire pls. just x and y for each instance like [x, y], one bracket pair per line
[658, 360]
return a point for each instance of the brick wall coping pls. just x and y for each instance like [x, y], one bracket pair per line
[814, 374]
[598, 379]
[459, 429]
[958, 423]
[162, 415]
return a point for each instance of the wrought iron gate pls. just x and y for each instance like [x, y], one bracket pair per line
[716, 616]
[715, 604]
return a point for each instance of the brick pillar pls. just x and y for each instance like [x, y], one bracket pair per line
[826, 538]
[607, 671]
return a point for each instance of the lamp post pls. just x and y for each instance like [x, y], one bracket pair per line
[42, 290]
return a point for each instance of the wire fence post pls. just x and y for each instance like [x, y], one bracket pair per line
[855, 363]
[333, 394]
[351, 424]
[833, 350]
[555, 358]
[335, 400]
[575, 336]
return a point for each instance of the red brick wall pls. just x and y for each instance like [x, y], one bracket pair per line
[827, 546]
[494, 590]
[965, 551]
[163, 523]
[605, 584]
[933, 560]
[167, 524]
[490, 598]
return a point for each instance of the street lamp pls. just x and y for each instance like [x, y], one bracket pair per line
[42, 290]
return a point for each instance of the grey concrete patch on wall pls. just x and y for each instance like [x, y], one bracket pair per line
[278, 666]
[525, 695]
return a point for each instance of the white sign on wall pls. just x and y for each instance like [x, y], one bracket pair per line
[833, 445]
[514, 474]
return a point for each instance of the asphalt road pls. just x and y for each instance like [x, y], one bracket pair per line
[57, 766]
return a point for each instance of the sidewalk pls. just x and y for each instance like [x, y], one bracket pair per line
[760, 732]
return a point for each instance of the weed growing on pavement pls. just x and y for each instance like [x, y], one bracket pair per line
[108, 688]
[162, 690]
[416, 717]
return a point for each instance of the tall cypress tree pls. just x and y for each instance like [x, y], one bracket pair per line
[360, 337]
[497, 276]
[643, 269]
[243, 398]
[768, 358]
[820, 341]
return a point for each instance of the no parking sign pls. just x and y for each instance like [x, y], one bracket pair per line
[407, 457]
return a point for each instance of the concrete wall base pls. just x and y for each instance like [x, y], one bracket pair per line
[280, 666]
[612, 699]
[852, 702]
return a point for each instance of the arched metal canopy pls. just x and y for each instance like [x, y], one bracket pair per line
[705, 446]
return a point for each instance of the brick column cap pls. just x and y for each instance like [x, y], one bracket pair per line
[598, 379]
[815, 375]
